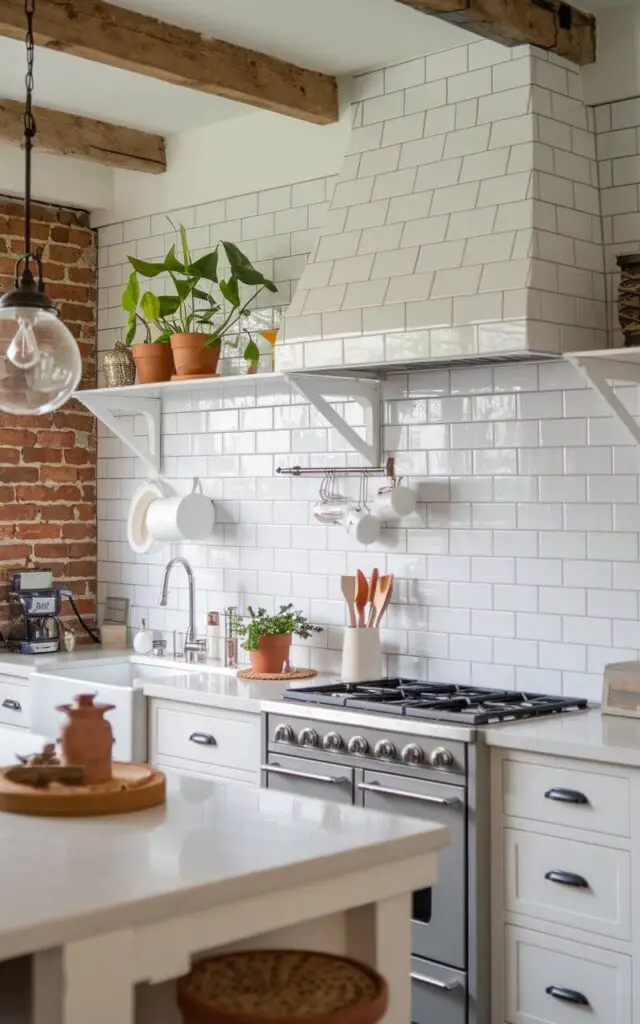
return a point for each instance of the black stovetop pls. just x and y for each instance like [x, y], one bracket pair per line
[448, 702]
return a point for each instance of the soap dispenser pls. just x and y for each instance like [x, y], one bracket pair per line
[143, 641]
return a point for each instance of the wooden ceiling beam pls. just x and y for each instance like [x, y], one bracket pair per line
[550, 24]
[82, 137]
[111, 35]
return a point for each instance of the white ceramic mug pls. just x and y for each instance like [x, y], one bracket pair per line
[362, 525]
[361, 655]
[393, 503]
[185, 517]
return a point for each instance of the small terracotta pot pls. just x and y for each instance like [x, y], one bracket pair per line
[191, 357]
[87, 738]
[154, 363]
[272, 654]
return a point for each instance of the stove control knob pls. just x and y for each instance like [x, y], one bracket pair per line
[332, 741]
[284, 734]
[308, 738]
[441, 758]
[413, 754]
[385, 749]
[358, 745]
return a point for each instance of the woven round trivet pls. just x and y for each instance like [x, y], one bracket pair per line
[295, 673]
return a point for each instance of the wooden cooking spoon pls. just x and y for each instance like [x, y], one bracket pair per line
[362, 596]
[383, 596]
[373, 586]
[348, 584]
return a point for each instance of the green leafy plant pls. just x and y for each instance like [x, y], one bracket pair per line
[199, 294]
[287, 620]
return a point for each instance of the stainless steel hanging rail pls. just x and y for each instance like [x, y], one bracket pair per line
[387, 470]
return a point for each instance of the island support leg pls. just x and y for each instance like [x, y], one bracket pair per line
[380, 935]
[88, 981]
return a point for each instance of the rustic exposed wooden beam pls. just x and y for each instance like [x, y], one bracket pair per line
[549, 24]
[124, 39]
[69, 135]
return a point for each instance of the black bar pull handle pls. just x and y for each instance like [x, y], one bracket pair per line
[205, 739]
[567, 878]
[567, 995]
[566, 796]
[12, 705]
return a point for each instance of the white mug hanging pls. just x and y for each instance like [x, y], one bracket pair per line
[185, 517]
[393, 503]
[359, 522]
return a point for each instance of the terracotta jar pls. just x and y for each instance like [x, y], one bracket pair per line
[87, 738]
[272, 656]
[190, 356]
[154, 363]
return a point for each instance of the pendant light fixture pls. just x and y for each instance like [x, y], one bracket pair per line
[40, 363]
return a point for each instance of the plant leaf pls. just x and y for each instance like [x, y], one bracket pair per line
[207, 266]
[168, 305]
[252, 352]
[131, 331]
[146, 268]
[150, 306]
[230, 291]
[171, 262]
[186, 255]
[184, 288]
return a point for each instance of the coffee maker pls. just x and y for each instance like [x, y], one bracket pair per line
[34, 605]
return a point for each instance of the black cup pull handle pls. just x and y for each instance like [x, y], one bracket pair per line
[567, 878]
[205, 739]
[567, 995]
[566, 796]
[12, 705]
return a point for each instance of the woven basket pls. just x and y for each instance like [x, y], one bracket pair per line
[119, 367]
[629, 298]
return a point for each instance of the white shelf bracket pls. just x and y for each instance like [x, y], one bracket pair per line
[106, 407]
[599, 372]
[318, 388]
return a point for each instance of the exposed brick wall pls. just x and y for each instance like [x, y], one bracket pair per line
[48, 463]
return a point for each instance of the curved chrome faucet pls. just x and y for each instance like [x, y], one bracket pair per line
[192, 645]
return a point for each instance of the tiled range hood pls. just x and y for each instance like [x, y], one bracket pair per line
[465, 223]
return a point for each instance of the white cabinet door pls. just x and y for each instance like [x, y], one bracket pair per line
[575, 884]
[214, 742]
[14, 701]
[552, 981]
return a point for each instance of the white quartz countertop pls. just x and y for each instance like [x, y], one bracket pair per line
[589, 735]
[213, 844]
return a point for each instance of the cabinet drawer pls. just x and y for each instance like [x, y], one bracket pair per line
[561, 795]
[552, 981]
[575, 884]
[14, 708]
[210, 739]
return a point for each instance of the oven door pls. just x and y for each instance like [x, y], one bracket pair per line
[439, 914]
[308, 778]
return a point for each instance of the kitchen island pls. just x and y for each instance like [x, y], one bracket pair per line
[111, 910]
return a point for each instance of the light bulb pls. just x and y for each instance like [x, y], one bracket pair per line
[40, 364]
[24, 351]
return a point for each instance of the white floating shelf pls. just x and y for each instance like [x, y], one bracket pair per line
[319, 389]
[605, 365]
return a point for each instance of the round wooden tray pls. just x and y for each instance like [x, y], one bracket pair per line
[134, 787]
[295, 673]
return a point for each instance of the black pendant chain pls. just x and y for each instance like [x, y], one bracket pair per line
[29, 124]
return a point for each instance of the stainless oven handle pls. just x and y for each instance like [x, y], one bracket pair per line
[441, 801]
[303, 775]
[445, 986]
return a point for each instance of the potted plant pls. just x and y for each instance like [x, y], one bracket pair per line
[268, 637]
[153, 358]
[204, 305]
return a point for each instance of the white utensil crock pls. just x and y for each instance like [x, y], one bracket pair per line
[361, 655]
[186, 517]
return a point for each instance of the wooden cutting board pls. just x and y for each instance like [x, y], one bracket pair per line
[134, 787]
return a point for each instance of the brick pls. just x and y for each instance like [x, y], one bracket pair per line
[64, 493]
[51, 551]
[9, 455]
[85, 549]
[58, 474]
[19, 474]
[78, 456]
[41, 455]
[81, 569]
[13, 513]
[79, 531]
[38, 531]
[58, 513]
[54, 438]
[14, 552]
[17, 438]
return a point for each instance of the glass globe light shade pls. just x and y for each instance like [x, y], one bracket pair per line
[40, 363]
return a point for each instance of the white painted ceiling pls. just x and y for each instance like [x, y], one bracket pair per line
[335, 36]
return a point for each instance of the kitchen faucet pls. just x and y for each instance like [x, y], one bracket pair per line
[192, 645]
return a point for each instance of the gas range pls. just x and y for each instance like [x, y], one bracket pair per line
[440, 702]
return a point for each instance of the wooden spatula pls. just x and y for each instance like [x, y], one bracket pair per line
[383, 596]
[348, 584]
[373, 586]
[362, 596]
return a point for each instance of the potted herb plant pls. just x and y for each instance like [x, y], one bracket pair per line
[153, 357]
[203, 306]
[267, 638]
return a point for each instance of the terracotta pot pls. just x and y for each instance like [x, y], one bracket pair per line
[263, 986]
[191, 357]
[272, 654]
[154, 363]
[87, 738]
